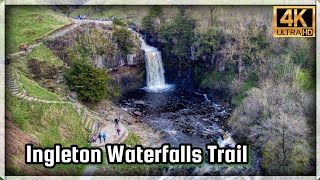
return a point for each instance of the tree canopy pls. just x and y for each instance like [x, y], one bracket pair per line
[89, 82]
[178, 35]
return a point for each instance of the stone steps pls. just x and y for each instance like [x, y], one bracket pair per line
[89, 119]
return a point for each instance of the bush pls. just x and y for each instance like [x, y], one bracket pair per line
[148, 23]
[208, 42]
[89, 82]
[305, 80]
[91, 43]
[116, 21]
[217, 80]
[123, 39]
[241, 93]
[178, 35]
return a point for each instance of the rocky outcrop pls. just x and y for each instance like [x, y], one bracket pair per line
[119, 60]
[104, 54]
[128, 78]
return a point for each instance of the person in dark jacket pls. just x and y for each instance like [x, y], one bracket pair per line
[116, 122]
[99, 136]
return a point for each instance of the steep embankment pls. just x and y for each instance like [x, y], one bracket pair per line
[15, 144]
[44, 119]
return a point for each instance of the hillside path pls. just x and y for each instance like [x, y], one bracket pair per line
[91, 120]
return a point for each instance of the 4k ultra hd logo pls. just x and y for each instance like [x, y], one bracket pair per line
[294, 21]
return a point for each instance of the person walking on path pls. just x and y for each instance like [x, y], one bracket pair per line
[94, 138]
[116, 121]
[104, 137]
[118, 131]
[24, 47]
[99, 136]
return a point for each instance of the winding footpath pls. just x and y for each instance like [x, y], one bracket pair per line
[92, 121]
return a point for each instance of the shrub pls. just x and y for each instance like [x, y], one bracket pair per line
[90, 44]
[123, 39]
[148, 23]
[178, 35]
[305, 80]
[241, 93]
[90, 83]
[209, 42]
[116, 21]
[217, 80]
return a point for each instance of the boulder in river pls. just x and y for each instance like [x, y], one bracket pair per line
[139, 102]
[137, 113]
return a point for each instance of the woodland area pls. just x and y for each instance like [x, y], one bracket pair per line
[270, 81]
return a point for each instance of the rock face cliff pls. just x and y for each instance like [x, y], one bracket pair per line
[99, 44]
[132, 59]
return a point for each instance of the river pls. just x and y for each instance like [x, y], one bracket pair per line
[182, 116]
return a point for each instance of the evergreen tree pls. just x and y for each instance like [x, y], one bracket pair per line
[178, 35]
[208, 44]
[123, 39]
[89, 82]
[149, 25]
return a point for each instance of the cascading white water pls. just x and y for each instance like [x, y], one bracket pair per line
[155, 71]
[154, 66]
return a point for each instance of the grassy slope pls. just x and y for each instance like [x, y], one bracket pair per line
[112, 11]
[132, 139]
[43, 54]
[82, 10]
[25, 24]
[35, 90]
[49, 124]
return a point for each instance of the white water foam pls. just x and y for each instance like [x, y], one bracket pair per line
[154, 66]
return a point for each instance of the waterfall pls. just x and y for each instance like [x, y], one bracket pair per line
[155, 71]
[154, 66]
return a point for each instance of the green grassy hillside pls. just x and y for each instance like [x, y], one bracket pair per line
[25, 24]
[50, 123]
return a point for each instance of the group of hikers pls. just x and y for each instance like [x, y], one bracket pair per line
[104, 135]
[80, 17]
